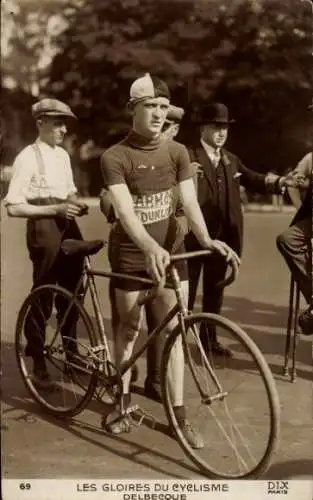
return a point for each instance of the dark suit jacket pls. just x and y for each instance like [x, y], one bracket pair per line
[236, 174]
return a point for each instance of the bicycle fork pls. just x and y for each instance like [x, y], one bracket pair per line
[182, 315]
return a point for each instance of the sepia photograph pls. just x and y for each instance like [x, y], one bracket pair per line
[156, 249]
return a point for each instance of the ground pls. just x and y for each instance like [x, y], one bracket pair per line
[35, 445]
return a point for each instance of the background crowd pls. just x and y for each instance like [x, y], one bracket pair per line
[253, 55]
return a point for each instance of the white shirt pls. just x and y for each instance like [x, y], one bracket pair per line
[213, 153]
[304, 166]
[27, 183]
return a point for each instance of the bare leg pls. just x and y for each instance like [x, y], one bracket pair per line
[130, 319]
[161, 306]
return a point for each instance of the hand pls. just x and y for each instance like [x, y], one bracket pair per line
[223, 249]
[294, 180]
[84, 209]
[195, 168]
[157, 261]
[271, 178]
[82, 205]
[69, 210]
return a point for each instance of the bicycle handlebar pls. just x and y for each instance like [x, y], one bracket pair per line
[190, 255]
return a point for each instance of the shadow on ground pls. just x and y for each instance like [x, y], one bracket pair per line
[290, 469]
[15, 397]
[258, 319]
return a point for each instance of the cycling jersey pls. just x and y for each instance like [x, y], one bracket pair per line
[150, 169]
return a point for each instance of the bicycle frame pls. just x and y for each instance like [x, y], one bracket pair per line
[87, 282]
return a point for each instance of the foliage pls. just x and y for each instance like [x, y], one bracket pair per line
[29, 32]
[254, 55]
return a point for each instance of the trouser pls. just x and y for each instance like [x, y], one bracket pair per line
[155, 347]
[51, 266]
[295, 246]
[213, 270]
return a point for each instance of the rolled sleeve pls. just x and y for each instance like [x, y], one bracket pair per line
[22, 172]
[70, 186]
[304, 166]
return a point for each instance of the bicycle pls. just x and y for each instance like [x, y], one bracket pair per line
[240, 437]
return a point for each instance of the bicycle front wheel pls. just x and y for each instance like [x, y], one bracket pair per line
[231, 401]
[52, 314]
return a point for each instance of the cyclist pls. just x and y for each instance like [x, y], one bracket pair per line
[152, 387]
[141, 172]
[42, 190]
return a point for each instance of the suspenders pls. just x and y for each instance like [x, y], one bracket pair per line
[41, 169]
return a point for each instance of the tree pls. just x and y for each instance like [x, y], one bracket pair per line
[254, 55]
[29, 32]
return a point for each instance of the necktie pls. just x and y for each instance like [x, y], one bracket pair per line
[216, 157]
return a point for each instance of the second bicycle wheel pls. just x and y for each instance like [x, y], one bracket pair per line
[46, 312]
[231, 401]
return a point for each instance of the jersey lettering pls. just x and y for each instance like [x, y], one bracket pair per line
[154, 207]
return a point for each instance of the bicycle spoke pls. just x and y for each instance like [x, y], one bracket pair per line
[68, 337]
[231, 401]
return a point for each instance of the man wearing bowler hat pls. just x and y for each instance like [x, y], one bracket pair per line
[218, 178]
[42, 191]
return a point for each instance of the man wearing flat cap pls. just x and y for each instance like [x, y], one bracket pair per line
[42, 190]
[171, 125]
[218, 178]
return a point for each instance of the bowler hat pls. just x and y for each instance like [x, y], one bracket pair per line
[51, 107]
[214, 112]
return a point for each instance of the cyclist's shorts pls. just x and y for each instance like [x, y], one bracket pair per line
[132, 285]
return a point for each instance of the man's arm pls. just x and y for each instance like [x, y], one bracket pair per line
[26, 210]
[16, 201]
[300, 177]
[254, 181]
[106, 206]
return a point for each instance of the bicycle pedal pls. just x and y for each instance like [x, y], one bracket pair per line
[141, 415]
[131, 409]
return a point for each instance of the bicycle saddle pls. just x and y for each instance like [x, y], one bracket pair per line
[81, 247]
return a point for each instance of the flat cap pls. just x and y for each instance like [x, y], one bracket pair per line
[51, 107]
[175, 113]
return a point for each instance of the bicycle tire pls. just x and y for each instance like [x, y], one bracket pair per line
[68, 379]
[245, 372]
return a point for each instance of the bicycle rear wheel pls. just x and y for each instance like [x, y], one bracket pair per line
[47, 310]
[232, 402]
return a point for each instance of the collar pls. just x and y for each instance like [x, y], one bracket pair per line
[44, 145]
[140, 142]
[210, 151]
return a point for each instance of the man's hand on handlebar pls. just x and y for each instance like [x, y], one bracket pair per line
[157, 261]
[222, 248]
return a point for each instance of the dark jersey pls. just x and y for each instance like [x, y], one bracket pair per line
[150, 169]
